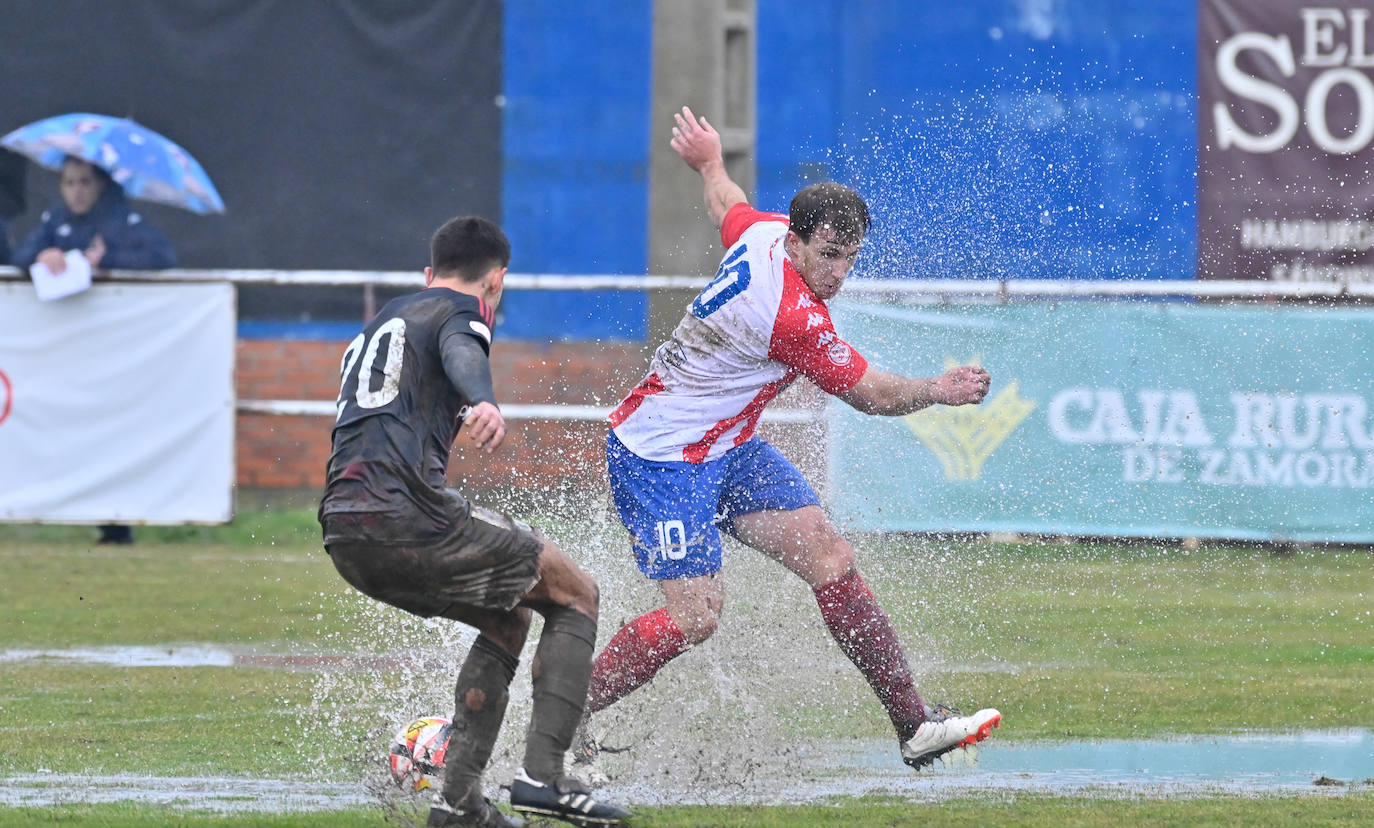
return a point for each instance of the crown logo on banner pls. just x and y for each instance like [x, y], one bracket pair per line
[963, 437]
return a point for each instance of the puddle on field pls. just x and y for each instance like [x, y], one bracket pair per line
[1254, 764]
[667, 767]
[214, 793]
[1254, 761]
[209, 655]
[1250, 763]
[193, 655]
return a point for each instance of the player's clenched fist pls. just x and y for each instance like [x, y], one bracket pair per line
[485, 426]
[963, 385]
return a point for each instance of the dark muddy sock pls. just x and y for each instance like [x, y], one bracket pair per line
[480, 699]
[561, 669]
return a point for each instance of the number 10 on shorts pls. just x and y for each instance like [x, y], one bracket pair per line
[672, 539]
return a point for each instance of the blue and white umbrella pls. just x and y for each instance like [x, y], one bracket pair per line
[147, 165]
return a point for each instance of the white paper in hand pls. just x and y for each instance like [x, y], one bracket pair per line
[76, 278]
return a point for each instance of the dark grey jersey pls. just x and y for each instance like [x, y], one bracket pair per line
[400, 405]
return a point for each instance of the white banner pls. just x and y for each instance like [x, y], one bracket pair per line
[117, 404]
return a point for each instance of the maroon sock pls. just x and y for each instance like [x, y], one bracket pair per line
[865, 633]
[633, 656]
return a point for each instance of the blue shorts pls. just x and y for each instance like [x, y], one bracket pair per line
[675, 510]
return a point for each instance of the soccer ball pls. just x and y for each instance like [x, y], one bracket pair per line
[417, 752]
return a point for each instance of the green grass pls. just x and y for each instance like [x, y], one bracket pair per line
[260, 528]
[1133, 641]
[100, 720]
[1069, 641]
[1020, 811]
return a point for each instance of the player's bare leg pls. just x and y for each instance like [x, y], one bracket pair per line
[695, 604]
[642, 647]
[804, 541]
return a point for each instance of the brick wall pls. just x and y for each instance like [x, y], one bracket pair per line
[280, 452]
[289, 452]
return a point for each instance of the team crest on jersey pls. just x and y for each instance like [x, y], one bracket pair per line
[671, 353]
[839, 353]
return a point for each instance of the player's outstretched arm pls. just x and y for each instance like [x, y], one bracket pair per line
[698, 144]
[880, 392]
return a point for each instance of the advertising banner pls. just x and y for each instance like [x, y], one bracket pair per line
[1286, 123]
[117, 404]
[1120, 419]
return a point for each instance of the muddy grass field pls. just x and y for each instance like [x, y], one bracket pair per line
[227, 675]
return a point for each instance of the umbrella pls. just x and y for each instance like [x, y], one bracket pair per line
[147, 165]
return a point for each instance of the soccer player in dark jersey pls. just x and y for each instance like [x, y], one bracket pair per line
[415, 376]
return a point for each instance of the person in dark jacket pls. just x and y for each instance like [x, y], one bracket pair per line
[13, 170]
[95, 217]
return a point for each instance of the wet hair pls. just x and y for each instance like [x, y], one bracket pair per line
[468, 247]
[829, 204]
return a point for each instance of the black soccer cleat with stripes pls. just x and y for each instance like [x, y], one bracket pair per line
[566, 798]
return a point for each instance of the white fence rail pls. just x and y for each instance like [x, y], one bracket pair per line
[939, 289]
[585, 413]
[906, 290]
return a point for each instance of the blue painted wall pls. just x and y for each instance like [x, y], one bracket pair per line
[576, 178]
[993, 138]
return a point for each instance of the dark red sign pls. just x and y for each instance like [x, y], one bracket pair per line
[6, 397]
[1286, 141]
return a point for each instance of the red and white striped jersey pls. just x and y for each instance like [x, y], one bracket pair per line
[744, 339]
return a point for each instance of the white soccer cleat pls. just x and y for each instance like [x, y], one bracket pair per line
[946, 729]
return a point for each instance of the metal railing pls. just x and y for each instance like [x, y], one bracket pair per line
[510, 411]
[940, 289]
[920, 290]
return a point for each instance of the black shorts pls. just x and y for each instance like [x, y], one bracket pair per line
[488, 561]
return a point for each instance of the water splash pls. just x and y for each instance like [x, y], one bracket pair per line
[809, 771]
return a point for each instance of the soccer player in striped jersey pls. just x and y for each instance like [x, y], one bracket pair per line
[685, 464]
